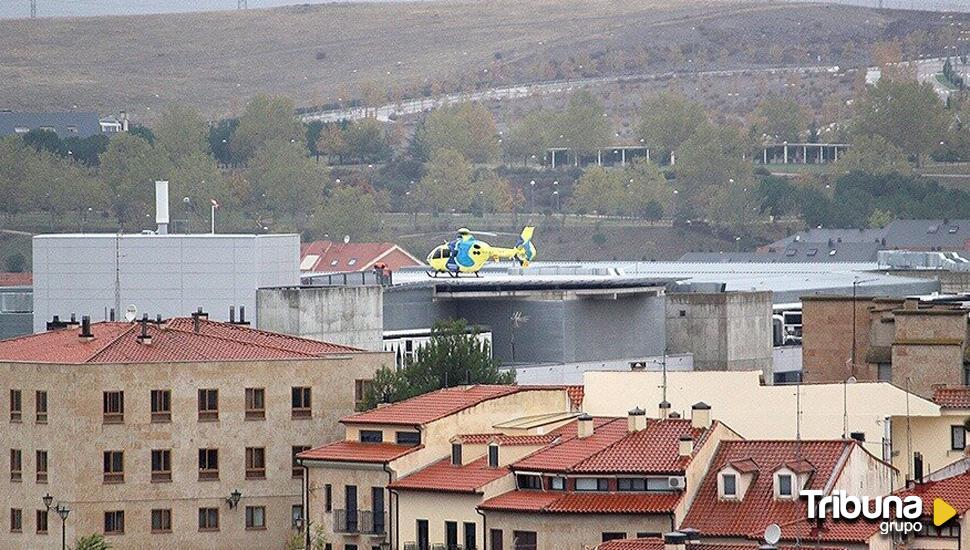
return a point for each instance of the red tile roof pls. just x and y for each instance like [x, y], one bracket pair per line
[804, 529]
[633, 544]
[569, 452]
[512, 440]
[174, 341]
[443, 476]
[355, 451]
[576, 394]
[758, 508]
[334, 256]
[954, 490]
[16, 279]
[652, 450]
[952, 397]
[438, 404]
[558, 502]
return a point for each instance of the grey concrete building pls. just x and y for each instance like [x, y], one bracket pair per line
[348, 315]
[167, 275]
[16, 311]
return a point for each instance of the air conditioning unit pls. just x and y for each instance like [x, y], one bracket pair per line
[677, 482]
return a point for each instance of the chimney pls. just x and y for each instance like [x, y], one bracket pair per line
[584, 426]
[242, 316]
[111, 315]
[663, 410]
[858, 436]
[918, 467]
[636, 420]
[674, 415]
[686, 447]
[56, 323]
[161, 206]
[700, 416]
[73, 321]
[86, 335]
[144, 337]
[232, 315]
[675, 540]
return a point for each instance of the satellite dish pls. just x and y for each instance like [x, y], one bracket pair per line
[131, 312]
[852, 380]
[772, 534]
[346, 239]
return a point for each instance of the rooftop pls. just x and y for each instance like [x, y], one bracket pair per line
[759, 508]
[954, 490]
[439, 404]
[66, 124]
[355, 451]
[16, 279]
[952, 397]
[174, 340]
[557, 502]
[445, 477]
[330, 256]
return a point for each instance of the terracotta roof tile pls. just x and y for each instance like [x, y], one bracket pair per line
[952, 397]
[355, 451]
[511, 440]
[633, 544]
[576, 394]
[954, 490]
[16, 279]
[758, 508]
[443, 476]
[571, 450]
[651, 450]
[556, 502]
[173, 341]
[438, 404]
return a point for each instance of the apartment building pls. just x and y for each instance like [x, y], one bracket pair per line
[624, 478]
[924, 443]
[350, 494]
[168, 433]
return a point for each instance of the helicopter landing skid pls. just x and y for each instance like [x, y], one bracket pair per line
[452, 274]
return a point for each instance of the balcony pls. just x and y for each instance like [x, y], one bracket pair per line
[436, 546]
[364, 522]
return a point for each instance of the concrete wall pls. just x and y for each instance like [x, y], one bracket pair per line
[724, 330]
[16, 311]
[572, 373]
[574, 531]
[827, 337]
[76, 438]
[168, 275]
[951, 282]
[348, 315]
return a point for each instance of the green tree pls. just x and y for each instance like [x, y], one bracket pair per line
[181, 133]
[711, 157]
[366, 141]
[128, 169]
[91, 542]
[331, 143]
[447, 184]
[583, 126]
[880, 218]
[598, 191]
[454, 356]
[906, 113]
[14, 156]
[45, 140]
[647, 192]
[15, 263]
[667, 120]
[318, 540]
[284, 179]
[530, 138]
[347, 210]
[780, 118]
[873, 154]
[734, 206]
[467, 128]
[265, 119]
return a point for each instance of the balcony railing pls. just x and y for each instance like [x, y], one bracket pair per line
[436, 546]
[359, 521]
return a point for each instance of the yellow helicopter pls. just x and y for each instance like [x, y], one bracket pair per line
[468, 254]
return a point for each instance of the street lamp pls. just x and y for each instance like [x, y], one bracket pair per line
[532, 207]
[48, 500]
[63, 511]
[233, 499]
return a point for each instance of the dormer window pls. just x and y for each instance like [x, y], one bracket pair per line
[728, 483]
[456, 454]
[784, 485]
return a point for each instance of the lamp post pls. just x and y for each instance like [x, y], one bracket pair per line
[233, 499]
[532, 198]
[63, 511]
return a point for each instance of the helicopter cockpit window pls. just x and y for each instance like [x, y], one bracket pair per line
[441, 253]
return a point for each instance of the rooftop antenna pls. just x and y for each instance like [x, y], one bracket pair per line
[517, 321]
[33, 9]
[212, 219]
[909, 436]
[845, 405]
[798, 418]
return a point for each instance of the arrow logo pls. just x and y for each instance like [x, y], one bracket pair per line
[942, 512]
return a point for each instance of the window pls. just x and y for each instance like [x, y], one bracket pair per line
[296, 515]
[72, 129]
[114, 407]
[300, 398]
[451, 535]
[524, 540]
[297, 468]
[608, 536]
[162, 520]
[114, 466]
[328, 497]
[470, 536]
[557, 483]
[958, 438]
[208, 405]
[41, 522]
[16, 464]
[495, 538]
[114, 522]
[16, 520]
[208, 519]
[161, 406]
[255, 403]
[208, 464]
[161, 465]
[408, 438]
[40, 407]
[377, 505]
[361, 387]
[785, 485]
[456, 454]
[631, 484]
[371, 436]
[525, 481]
[255, 463]
[592, 484]
[41, 466]
[16, 407]
[255, 517]
[493, 456]
[885, 373]
[729, 486]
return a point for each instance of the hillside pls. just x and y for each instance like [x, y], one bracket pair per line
[324, 53]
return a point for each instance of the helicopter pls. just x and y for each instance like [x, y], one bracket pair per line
[468, 254]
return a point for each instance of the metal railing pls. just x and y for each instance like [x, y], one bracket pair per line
[360, 521]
